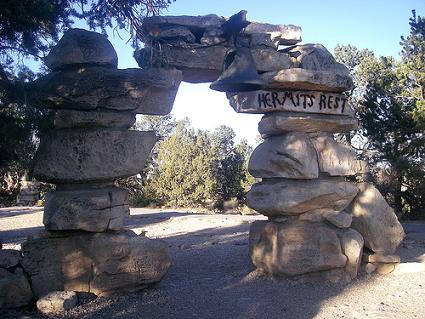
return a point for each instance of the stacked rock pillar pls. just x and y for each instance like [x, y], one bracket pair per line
[307, 182]
[85, 246]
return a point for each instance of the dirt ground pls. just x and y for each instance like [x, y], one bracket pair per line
[211, 275]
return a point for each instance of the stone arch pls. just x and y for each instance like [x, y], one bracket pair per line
[318, 221]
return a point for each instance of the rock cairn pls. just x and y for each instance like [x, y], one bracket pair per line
[84, 246]
[319, 221]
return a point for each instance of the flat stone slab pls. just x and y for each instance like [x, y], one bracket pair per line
[72, 118]
[375, 220]
[294, 249]
[81, 47]
[283, 197]
[292, 101]
[79, 156]
[337, 159]
[290, 155]
[93, 210]
[282, 34]
[277, 123]
[301, 79]
[101, 263]
[148, 91]
[192, 22]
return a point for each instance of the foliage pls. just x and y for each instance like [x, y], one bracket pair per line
[390, 104]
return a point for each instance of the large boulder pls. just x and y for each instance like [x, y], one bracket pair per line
[277, 197]
[316, 57]
[337, 159]
[78, 156]
[277, 123]
[101, 263]
[80, 47]
[151, 91]
[94, 210]
[72, 118]
[290, 156]
[294, 248]
[15, 290]
[375, 220]
[302, 79]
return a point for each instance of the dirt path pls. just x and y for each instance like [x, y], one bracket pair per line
[211, 276]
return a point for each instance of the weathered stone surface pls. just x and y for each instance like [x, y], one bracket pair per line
[270, 60]
[81, 47]
[94, 210]
[301, 79]
[277, 123]
[260, 40]
[150, 91]
[379, 258]
[15, 290]
[280, 33]
[352, 246]
[194, 23]
[385, 269]
[57, 301]
[291, 156]
[176, 32]
[197, 64]
[375, 220]
[340, 220]
[369, 268]
[9, 258]
[71, 118]
[316, 57]
[100, 263]
[337, 159]
[294, 197]
[294, 249]
[292, 101]
[76, 156]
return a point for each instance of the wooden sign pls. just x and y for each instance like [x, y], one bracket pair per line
[293, 101]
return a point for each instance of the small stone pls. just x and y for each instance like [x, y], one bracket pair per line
[276, 197]
[294, 249]
[375, 220]
[9, 258]
[385, 269]
[15, 290]
[80, 47]
[340, 220]
[369, 268]
[291, 156]
[93, 210]
[57, 301]
[74, 119]
[352, 247]
[301, 79]
[84, 156]
[379, 258]
[100, 263]
[149, 91]
[337, 159]
[277, 123]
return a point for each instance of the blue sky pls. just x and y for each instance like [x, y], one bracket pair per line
[374, 24]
